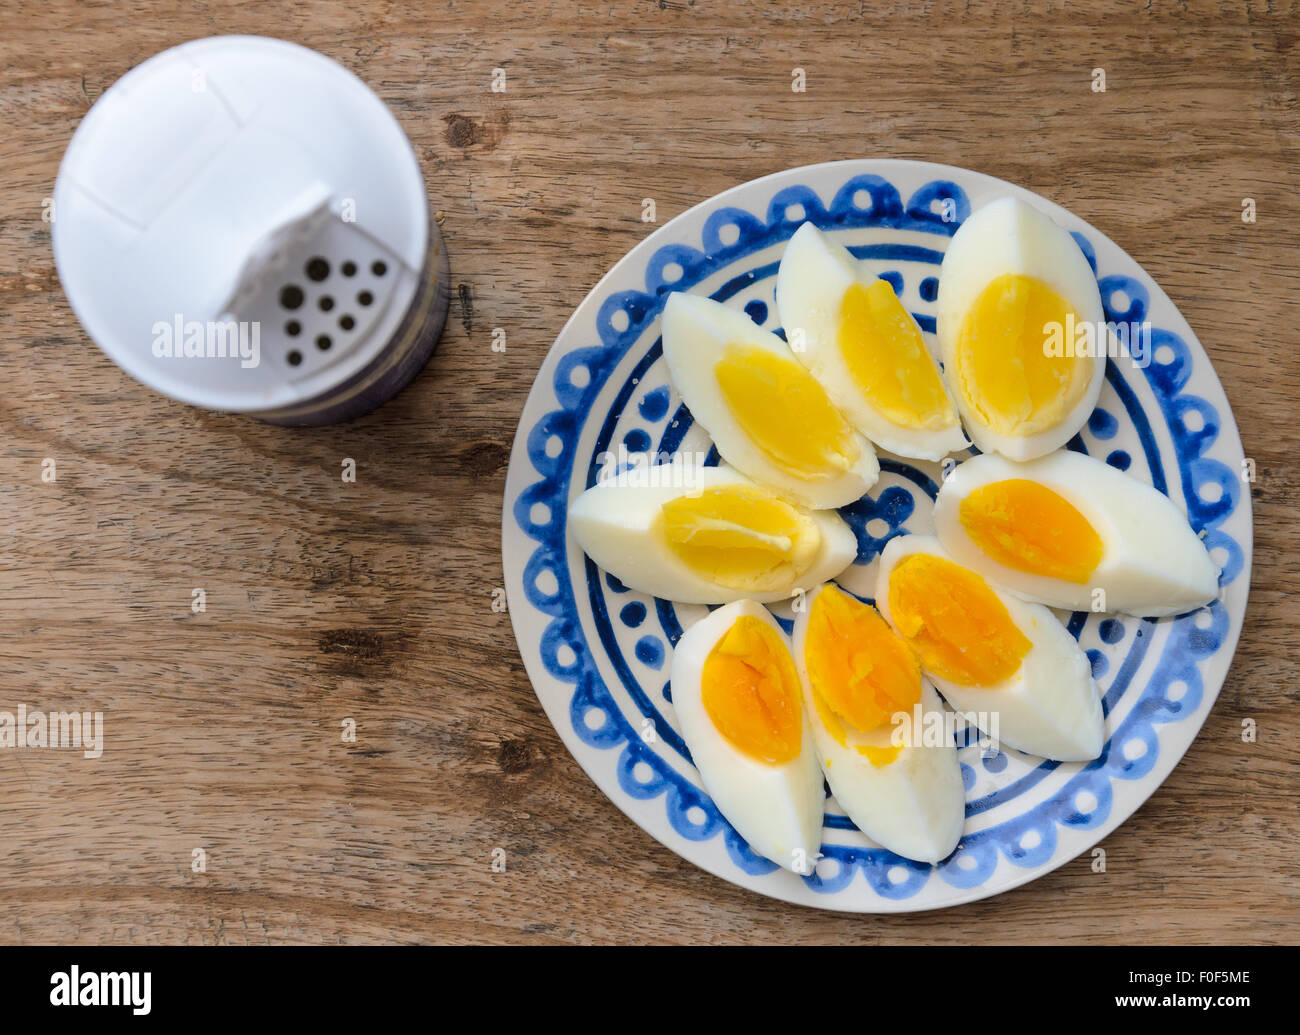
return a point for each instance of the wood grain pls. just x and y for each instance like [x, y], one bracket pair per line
[328, 600]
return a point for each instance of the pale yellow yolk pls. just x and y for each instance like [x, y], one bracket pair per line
[861, 672]
[887, 358]
[956, 625]
[1030, 528]
[1003, 366]
[751, 692]
[741, 537]
[786, 414]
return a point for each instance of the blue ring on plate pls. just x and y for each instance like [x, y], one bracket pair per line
[1027, 840]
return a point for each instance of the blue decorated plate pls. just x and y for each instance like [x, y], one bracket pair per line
[598, 654]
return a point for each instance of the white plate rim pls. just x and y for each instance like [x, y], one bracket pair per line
[536, 405]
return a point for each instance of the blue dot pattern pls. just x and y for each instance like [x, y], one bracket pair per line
[645, 770]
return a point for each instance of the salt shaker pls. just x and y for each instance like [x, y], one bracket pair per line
[241, 224]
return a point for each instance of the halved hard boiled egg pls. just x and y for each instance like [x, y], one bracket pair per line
[707, 535]
[766, 414]
[1016, 300]
[1011, 666]
[862, 345]
[737, 699]
[1070, 531]
[868, 704]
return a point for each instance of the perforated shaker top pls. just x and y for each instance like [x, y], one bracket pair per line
[240, 223]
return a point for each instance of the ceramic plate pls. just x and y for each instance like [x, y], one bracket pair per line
[598, 654]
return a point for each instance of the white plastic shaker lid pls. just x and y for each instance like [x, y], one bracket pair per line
[240, 181]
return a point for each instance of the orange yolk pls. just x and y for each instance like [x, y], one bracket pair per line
[887, 358]
[751, 692]
[1030, 528]
[956, 625]
[1004, 368]
[786, 413]
[861, 672]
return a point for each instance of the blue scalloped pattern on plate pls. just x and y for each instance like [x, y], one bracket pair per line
[1172, 691]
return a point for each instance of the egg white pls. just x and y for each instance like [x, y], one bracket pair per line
[1050, 706]
[777, 809]
[916, 805]
[1152, 562]
[696, 331]
[1011, 236]
[815, 273]
[615, 523]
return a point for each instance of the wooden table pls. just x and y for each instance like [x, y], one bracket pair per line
[372, 601]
